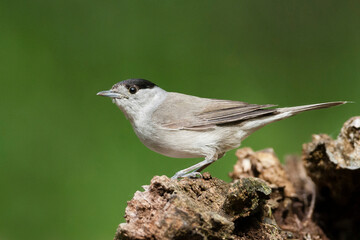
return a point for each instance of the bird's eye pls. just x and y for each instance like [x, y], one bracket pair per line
[132, 90]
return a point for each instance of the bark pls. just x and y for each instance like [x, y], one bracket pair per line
[334, 166]
[316, 198]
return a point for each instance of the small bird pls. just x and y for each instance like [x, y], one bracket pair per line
[184, 126]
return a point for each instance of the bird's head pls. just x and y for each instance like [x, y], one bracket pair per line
[134, 96]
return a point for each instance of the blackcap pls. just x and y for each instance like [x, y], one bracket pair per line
[183, 126]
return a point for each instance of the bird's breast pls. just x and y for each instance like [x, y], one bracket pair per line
[171, 143]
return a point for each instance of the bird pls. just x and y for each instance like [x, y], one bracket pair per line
[185, 126]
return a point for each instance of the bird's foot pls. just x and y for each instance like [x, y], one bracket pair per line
[187, 175]
[193, 175]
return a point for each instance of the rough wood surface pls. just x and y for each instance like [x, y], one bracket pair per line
[317, 198]
[334, 166]
[206, 208]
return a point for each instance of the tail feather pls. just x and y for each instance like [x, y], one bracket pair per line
[299, 109]
[282, 113]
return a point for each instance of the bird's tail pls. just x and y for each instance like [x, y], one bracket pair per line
[300, 109]
[282, 113]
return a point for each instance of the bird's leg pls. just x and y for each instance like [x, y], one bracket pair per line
[194, 170]
[215, 158]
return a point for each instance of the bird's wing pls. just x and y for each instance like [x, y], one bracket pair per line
[180, 111]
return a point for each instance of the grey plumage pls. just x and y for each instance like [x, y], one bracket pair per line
[183, 126]
[190, 112]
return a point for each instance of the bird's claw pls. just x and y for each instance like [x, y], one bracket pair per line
[187, 175]
[193, 175]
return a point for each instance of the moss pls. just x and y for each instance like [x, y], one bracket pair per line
[245, 196]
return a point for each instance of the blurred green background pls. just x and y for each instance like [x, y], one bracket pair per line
[69, 160]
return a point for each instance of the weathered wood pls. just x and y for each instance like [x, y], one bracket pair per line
[334, 166]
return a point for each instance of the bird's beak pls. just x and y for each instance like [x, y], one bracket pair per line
[109, 93]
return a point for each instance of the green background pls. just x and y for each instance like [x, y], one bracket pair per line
[69, 159]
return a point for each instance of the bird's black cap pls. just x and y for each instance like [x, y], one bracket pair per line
[140, 83]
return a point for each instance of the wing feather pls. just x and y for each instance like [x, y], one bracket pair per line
[194, 113]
